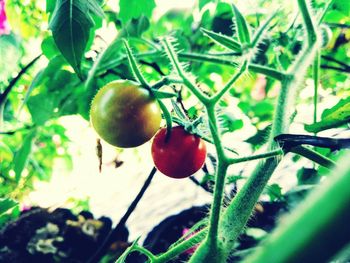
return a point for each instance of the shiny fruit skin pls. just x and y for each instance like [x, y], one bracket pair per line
[124, 114]
[181, 155]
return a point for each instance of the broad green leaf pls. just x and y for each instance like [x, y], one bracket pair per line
[49, 48]
[6, 204]
[41, 107]
[50, 6]
[134, 9]
[333, 117]
[241, 26]
[135, 27]
[44, 76]
[95, 8]
[22, 155]
[223, 40]
[70, 24]
[57, 97]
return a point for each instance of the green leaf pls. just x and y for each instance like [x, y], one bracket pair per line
[275, 192]
[41, 107]
[95, 8]
[229, 122]
[50, 6]
[234, 178]
[308, 176]
[333, 117]
[223, 40]
[6, 204]
[58, 95]
[134, 9]
[241, 26]
[44, 76]
[22, 155]
[49, 48]
[70, 24]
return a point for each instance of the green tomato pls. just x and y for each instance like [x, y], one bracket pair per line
[124, 114]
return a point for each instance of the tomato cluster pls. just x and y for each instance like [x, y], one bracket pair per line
[125, 114]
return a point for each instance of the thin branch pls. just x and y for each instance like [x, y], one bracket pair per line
[329, 58]
[109, 239]
[336, 68]
[4, 95]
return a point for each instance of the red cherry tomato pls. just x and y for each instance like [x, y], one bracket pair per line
[181, 155]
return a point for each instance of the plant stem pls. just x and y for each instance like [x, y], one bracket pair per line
[257, 156]
[224, 61]
[215, 210]
[181, 247]
[238, 212]
[313, 156]
[214, 99]
[316, 73]
[144, 251]
[175, 61]
[166, 81]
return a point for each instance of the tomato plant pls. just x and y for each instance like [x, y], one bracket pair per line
[200, 65]
[124, 114]
[180, 155]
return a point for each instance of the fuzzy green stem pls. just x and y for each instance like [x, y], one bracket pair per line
[166, 81]
[214, 99]
[238, 212]
[211, 249]
[257, 156]
[313, 156]
[272, 73]
[175, 61]
[134, 67]
[181, 247]
[145, 252]
[215, 210]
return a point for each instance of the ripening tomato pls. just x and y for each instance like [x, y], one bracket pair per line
[181, 155]
[124, 114]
